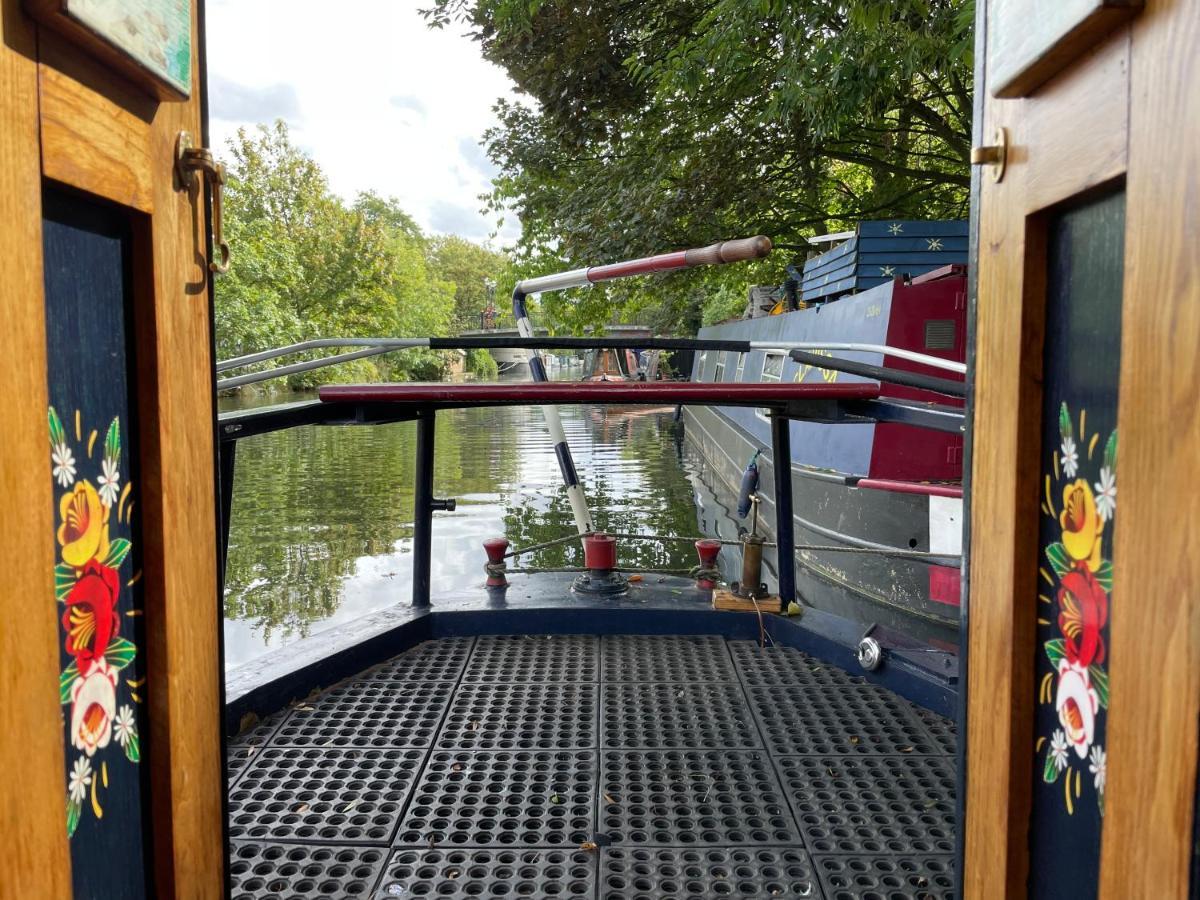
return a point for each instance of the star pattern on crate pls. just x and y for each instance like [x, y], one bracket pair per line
[934, 243]
[895, 228]
[887, 271]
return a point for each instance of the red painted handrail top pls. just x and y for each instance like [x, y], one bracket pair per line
[564, 392]
[929, 489]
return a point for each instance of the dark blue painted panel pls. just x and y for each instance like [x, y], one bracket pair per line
[1078, 504]
[99, 593]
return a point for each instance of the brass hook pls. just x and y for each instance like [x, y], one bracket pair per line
[994, 155]
[191, 164]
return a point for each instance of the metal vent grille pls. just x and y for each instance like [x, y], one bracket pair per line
[939, 334]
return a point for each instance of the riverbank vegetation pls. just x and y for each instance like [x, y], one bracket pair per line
[677, 123]
[308, 263]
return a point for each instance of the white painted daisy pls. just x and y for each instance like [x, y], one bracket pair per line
[123, 725]
[1058, 749]
[109, 482]
[64, 464]
[1106, 493]
[80, 779]
[1070, 457]
[1098, 766]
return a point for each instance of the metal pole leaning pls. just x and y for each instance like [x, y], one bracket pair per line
[713, 255]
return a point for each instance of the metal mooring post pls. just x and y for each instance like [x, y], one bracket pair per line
[781, 459]
[423, 508]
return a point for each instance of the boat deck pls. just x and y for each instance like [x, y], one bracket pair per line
[617, 767]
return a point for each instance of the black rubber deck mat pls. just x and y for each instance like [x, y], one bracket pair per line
[872, 804]
[692, 798]
[244, 746]
[323, 794]
[941, 729]
[461, 874]
[368, 714]
[851, 721]
[672, 714]
[524, 798]
[636, 657]
[908, 877]
[537, 657]
[271, 871]
[703, 874]
[767, 666]
[552, 716]
[442, 660]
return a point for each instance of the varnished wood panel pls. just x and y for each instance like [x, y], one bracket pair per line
[33, 791]
[92, 142]
[183, 613]
[1030, 41]
[1155, 656]
[1060, 145]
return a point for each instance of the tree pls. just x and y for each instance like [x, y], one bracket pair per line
[307, 264]
[682, 122]
[469, 267]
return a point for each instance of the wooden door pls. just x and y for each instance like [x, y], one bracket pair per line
[1084, 611]
[112, 752]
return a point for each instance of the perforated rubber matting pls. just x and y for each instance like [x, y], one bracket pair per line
[606, 768]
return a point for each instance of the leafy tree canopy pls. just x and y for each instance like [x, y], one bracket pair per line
[308, 264]
[681, 122]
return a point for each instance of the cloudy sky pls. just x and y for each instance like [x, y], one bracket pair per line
[378, 99]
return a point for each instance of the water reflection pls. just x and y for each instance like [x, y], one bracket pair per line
[322, 517]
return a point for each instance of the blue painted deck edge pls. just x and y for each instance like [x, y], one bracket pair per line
[822, 635]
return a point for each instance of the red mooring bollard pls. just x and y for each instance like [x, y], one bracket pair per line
[707, 550]
[600, 552]
[496, 548]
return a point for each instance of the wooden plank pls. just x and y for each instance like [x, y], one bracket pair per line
[33, 794]
[729, 601]
[183, 611]
[96, 142]
[1155, 652]
[1030, 41]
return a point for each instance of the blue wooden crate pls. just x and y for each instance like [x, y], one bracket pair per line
[879, 251]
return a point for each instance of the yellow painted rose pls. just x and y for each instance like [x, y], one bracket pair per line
[84, 530]
[1081, 525]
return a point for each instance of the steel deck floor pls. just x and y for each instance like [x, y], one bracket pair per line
[607, 768]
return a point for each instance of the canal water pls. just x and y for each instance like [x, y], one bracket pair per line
[321, 529]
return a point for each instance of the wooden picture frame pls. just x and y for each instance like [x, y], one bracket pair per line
[148, 41]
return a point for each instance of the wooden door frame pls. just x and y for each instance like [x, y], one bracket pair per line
[65, 118]
[1130, 109]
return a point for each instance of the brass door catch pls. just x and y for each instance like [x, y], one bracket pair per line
[192, 163]
[995, 155]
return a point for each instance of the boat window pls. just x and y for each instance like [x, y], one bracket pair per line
[700, 366]
[772, 367]
[720, 376]
[740, 366]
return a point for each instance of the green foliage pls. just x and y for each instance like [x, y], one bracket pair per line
[482, 365]
[308, 264]
[470, 268]
[683, 122]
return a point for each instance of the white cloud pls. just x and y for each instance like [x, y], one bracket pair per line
[381, 101]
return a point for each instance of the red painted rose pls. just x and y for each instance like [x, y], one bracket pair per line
[1083, 610]
[91, 618]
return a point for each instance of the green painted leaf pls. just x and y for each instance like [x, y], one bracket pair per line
[133, 748]
[1110, 452]
[1100, 682]
[58, 434]
[1104, 575]
[66, 680]
[1049, 770]
[73, 811]
[1064, 422]
[64, 580]
[120, 653]
[118, 549]
[1055, 650]
[112, 441]
[1056, 553]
